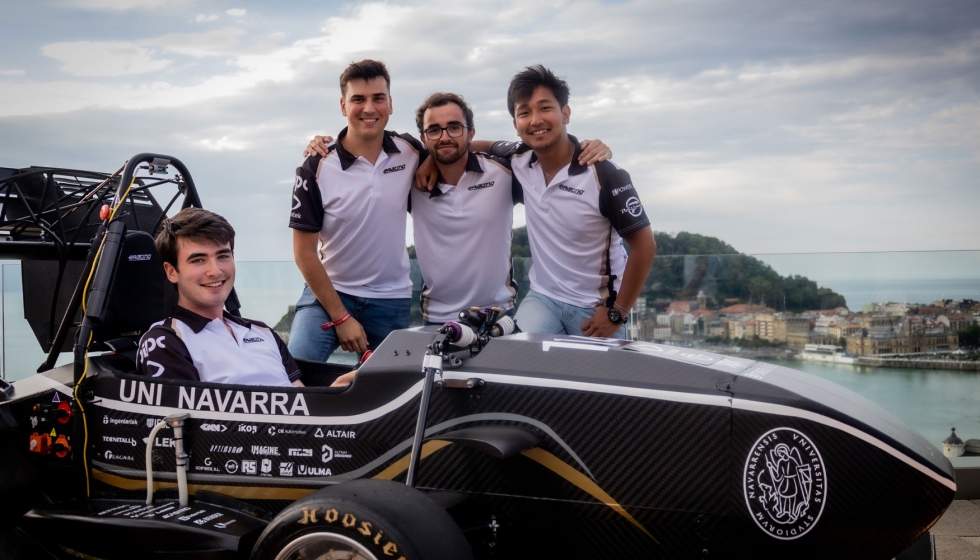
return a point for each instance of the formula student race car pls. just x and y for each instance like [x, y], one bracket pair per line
[452, 442]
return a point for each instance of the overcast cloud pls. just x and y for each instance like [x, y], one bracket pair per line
[776, 126]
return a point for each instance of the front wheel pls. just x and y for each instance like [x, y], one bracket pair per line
[363, 520]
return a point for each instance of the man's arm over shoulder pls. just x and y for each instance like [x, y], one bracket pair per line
[499, 149]
[516, 189]
[163, 354]
[414, 142]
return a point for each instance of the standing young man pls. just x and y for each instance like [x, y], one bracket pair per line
[463, 227]
[348, 219]
[582, 281]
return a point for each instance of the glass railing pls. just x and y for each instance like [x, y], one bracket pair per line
[896, 328]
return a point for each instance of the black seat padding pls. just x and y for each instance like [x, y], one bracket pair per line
[139, 293]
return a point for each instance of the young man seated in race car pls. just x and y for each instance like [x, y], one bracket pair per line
[200, 341]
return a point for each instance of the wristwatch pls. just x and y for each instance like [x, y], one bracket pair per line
[615, 317]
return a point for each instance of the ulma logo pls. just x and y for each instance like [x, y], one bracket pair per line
[785, 483]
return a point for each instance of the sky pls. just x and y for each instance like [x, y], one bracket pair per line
[779, 127]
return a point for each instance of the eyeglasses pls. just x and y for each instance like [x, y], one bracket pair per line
[435, 132]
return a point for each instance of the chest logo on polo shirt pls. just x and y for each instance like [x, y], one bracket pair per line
[394, 169]
[570, 189]
[633, 206]
[481, 186]
[253, 339]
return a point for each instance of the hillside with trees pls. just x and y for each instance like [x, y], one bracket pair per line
[689, 263]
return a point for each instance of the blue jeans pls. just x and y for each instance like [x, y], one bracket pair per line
[308, 340]
[539, 313]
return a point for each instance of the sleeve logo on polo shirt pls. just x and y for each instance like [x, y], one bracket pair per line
[394, 169]
[300, 182]
[633, 206]
[481, 186]
[616, 191]
[570, 189]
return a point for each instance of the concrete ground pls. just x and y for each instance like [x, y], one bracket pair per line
[957, 532]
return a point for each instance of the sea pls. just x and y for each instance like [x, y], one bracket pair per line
[930, 401]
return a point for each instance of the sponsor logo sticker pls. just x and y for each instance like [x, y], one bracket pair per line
[300, 452]
[113, 439]
[249, 466]
[265, 450]
[110, 456]
[785, 483]
[214, 427]
[226, 449]
[114, 421]
[134, 258]
[314, 471]
[285, 469]
[231, 466]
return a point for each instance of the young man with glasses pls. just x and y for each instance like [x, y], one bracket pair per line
[463, 225]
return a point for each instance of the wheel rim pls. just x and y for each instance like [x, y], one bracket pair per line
[325, 546]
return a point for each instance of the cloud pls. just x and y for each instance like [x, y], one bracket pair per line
[12, 72]
[103, 59]
[122, 5]
[778, 127]
[220, 42]
[201, 18]
[237, 12]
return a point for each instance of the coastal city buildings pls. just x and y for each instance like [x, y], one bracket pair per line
[879, 330]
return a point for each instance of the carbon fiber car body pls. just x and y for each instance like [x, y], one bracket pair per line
[537, 445]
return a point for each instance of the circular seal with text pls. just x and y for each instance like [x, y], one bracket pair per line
[785, 483]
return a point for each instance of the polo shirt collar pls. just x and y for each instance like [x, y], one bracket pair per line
[197, 323]
[575, 168]
[472, 164]
[347, 159]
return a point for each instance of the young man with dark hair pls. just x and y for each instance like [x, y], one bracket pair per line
[578, 216]
[468, 212]
[348, 218]
[200, 341]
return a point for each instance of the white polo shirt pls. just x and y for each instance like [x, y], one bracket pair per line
[189, 346]
[359, 210]
[574, 224]
[462, 240]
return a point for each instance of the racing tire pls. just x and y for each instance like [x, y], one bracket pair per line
[367, 518]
